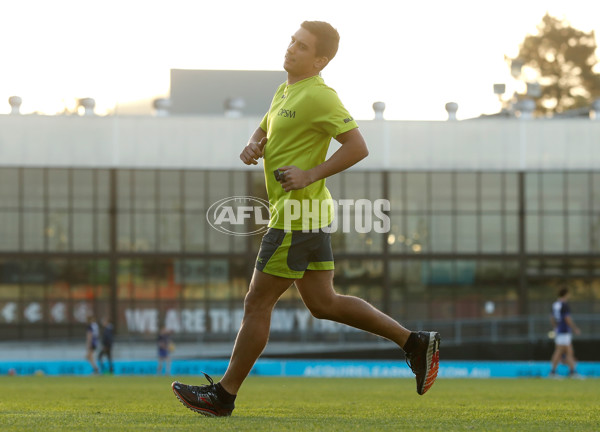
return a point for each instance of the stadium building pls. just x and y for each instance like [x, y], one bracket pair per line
[112, 215]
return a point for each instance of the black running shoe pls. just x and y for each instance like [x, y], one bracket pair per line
[424, 360]
[202, 399]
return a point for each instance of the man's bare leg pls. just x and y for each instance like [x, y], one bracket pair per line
[421, 348]
[316, 289]
[253, 335]
[570, 359]
[559, 351]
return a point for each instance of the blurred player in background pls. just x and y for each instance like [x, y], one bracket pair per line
[563, 325]
[293, 139]
[91, 341]
[165, 348]
[107, 343]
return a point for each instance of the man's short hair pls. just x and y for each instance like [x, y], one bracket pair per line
[563, 291]
[328, 39]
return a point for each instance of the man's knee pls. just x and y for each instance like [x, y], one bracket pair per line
[251, 302]
[323, 308]
[257, 302]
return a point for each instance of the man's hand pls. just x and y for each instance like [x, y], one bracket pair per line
[253, 151]
[294, 178]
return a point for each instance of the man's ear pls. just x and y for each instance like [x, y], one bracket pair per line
[321, 62]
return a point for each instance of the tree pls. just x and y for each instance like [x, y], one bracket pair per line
[563, 59]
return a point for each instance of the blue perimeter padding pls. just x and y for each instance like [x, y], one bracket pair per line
[304, 368]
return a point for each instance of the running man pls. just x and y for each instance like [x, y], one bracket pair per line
[165, 346]
[91, 342]
[563, 325]
[107, 343]
[293, 139]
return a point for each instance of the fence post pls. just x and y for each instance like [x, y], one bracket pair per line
[531, 329]
[494, 330]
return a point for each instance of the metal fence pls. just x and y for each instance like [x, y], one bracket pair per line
[505, 330]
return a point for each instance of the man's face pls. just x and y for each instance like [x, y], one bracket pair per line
[300, 56]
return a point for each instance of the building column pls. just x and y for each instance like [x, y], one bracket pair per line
[113, 261]
[522, 288]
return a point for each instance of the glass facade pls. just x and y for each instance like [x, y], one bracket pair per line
[135, 244]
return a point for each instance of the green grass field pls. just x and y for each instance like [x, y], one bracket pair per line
[301, 404]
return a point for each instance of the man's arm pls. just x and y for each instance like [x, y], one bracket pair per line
[353, 150]
[571, 324]
[254, 150]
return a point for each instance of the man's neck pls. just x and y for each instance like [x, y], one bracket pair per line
[294, 79]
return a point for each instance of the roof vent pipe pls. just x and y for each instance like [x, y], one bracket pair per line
[595, 110]
[161, 107]
[379, 108]
[88, 105]
[15, 104]
[526, 108]
[451, 108]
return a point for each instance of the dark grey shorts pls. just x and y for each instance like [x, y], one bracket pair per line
[290, 253]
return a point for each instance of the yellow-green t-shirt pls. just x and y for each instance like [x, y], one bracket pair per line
[302, 120]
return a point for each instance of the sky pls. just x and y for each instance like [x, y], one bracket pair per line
[414, 56]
